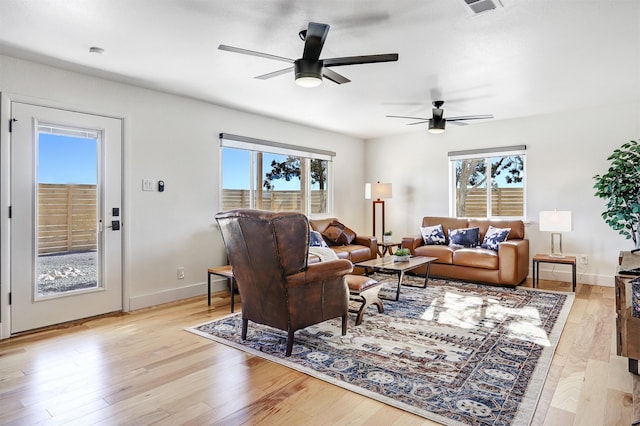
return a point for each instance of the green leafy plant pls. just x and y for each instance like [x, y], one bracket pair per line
[387, 233]
[620, 186]
[402, 252]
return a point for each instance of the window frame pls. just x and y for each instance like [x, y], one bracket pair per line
[305, 154]
[487, 154]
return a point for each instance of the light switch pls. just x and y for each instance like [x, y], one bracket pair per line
[147, 185]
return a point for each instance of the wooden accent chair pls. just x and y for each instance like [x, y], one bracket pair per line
[268, 253]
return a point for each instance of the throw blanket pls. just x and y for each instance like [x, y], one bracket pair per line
[324, 253]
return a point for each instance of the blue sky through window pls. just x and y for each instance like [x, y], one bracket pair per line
[66, 159]
[235, 170]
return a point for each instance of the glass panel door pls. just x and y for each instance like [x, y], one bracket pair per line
[67, 207]
[66, 184]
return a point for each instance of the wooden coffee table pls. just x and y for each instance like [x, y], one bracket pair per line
[386, 264]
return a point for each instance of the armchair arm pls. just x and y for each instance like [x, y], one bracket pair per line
[412, 243]
[368, 241]
[320, 272]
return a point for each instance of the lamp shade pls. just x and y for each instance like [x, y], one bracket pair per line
[381, 190]
[556, 221]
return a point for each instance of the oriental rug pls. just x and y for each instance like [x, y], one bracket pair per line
[456, 353]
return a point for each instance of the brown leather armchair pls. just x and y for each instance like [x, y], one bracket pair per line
[268, 253]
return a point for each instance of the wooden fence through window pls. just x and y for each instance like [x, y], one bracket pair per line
[504, 202]
[273, 200]
[67, 218]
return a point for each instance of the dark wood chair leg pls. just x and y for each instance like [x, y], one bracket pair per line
[344, 324]
[289, 343]
[245, 323]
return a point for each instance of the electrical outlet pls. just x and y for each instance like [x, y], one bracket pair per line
[584, 259]
[181, 273]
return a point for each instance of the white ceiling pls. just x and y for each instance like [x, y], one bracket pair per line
[530, 57]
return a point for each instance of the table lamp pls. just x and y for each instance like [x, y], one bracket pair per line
[556, 222]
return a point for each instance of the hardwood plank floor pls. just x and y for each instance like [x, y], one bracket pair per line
[142, 368]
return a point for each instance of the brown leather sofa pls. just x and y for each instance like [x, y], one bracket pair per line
[361, 248]
[268, 254]
[508, 266]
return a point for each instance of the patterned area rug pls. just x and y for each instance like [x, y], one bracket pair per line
[456, 353]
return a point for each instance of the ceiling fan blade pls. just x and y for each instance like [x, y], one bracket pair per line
[314, 40]
[334, 76]
[254, 53]
[470, 117]
[411, 118]
[418, 122]
[273, 74]
[364, 59]
[458, 123]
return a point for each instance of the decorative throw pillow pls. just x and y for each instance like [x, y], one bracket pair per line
[347, 236]
[433, 235]
[332, 233]
[464, 237]
[494, 236]
[316, 240]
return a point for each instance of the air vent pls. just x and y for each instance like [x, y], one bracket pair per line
[476, 7]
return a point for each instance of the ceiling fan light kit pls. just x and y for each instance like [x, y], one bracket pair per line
[437, 126]
[308, 73]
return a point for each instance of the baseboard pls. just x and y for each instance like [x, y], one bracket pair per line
[174, 294]
[582, 277]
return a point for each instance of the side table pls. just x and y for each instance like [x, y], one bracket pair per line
[225, 272]
[384, 248]
[545, 258]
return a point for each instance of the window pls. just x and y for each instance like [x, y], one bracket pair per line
[501, 170]
[273, 176]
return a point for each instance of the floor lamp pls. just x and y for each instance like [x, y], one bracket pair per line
[556, 222]
[377, 191]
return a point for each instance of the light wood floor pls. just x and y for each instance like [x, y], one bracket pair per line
[142, 368]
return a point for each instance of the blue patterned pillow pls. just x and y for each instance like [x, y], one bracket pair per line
[494, 236]
[316, 240]
[464, 237]
[433, 235]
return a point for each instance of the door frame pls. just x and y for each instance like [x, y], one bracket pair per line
[5, 198]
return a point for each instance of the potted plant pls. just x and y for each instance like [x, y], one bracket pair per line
[386, 237]
[620, 186]
[402, 255]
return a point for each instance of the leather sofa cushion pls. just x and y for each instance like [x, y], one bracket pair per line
[353, 252]
[476, 258]
[443, 253]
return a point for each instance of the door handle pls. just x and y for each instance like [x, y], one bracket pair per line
[115, 225]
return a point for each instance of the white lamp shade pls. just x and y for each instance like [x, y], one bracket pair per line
[381, 190]
[556, 221]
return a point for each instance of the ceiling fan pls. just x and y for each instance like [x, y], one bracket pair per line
[437, 122]
[310, 69]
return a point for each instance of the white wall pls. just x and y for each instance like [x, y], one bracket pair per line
[175, 139]
[564, 152]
